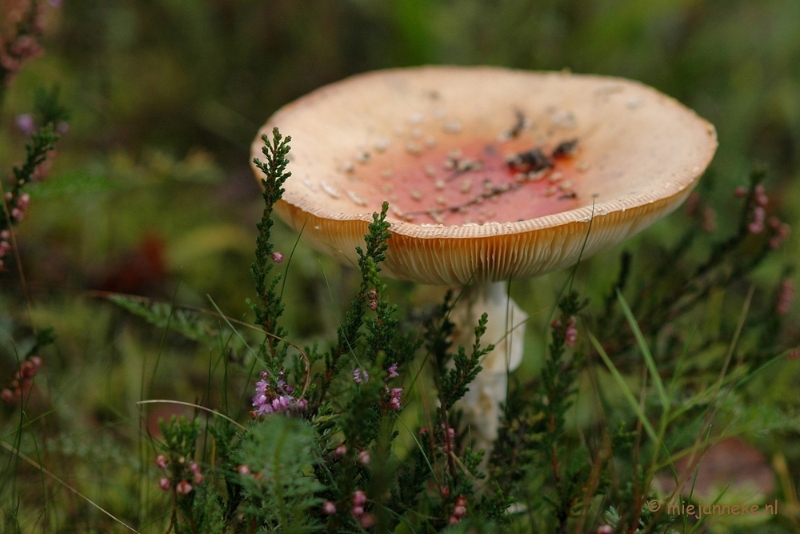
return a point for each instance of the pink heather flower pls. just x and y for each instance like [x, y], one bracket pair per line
[395, 401]
[785, 297]
[26, 124]
[360, 375]
[193, 467]
[780, 230]
[329, 508]
[761, 198]
[449, 446]
[571, 334]
[459, 510]
[243, 470]
[5, 235]
[709, 219]
[367, 521]
[198, 478]
[363, 457]
[25, 46]
[27, 370]
[8, 396]
[757, 225]
[277, 257]
[341, 450]
[164, 483]
[740, 191]
[461, 502]
[161, 461]
[17, 214]
[184, 488]
[393, 371]
[691, 204]
[605, 529]
[359, 497]
[373, 299]
[268, 401]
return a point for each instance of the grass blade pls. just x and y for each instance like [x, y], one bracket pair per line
[648, 357]
[626, 391]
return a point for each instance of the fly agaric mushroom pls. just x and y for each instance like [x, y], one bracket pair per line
[492, 175]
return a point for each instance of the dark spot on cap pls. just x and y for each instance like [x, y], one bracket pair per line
[565, 149]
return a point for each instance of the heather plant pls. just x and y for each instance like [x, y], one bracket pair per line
[332, 444]
[327, 446]
[15, 201]
[364, 434]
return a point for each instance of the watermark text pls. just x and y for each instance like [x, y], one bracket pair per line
[698, 511]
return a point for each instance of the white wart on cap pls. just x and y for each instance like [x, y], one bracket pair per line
[491, 174]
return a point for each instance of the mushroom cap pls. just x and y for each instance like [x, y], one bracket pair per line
[446, 146]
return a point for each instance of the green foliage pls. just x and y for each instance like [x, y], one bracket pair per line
[42, 142]
[281, 491]
[274, 168]
[196, 507]
[190, 323]
[518, 442]
[384, 342]
[49, 109]
[455, 382]
[180, 436]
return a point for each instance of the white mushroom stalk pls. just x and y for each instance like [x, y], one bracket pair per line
[481, 405]
[491, 175]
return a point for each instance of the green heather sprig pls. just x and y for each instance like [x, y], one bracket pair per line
[43, 141]
[270, 308]
[370, 293]
[455, 382]
[15, 200]
[558, 384]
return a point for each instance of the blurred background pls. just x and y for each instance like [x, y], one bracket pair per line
[151, 187]
[150, 191]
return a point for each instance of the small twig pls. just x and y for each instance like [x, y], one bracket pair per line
[303, 355]
[197, 406]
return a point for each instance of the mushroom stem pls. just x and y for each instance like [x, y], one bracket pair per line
[506, 331]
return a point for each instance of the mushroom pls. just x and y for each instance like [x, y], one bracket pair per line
[492, 175]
